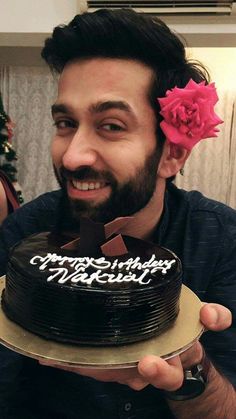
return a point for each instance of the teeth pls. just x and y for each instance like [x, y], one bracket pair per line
[85, 186]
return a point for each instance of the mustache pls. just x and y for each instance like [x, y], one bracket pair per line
[86, 173]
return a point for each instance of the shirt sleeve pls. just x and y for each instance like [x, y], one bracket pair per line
[221, 346]
[9, 235]
[33, 217]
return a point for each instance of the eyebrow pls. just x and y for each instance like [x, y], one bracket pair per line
[98, 107]
[110, 104]
[59, 108]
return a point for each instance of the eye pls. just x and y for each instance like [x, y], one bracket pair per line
[112, 127]
[64, 126]
[64, 123]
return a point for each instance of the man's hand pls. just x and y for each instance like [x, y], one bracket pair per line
[163, 374]
[168, 375]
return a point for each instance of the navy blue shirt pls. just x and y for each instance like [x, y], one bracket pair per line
[202, 232]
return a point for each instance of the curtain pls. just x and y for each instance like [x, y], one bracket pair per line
[28, 93]
[211, 166]
[231, 191]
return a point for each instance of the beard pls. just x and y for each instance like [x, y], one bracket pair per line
[125, 199]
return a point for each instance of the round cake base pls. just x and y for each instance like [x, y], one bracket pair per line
[185, 331]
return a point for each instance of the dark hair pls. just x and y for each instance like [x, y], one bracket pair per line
[123, 33]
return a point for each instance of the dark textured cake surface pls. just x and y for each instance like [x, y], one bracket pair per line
[97, 300]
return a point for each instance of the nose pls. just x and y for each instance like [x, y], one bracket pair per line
[81, 151]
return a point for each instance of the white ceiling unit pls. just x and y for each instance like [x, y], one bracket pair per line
[168, 7]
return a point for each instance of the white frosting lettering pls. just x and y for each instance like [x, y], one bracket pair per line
[63, 264]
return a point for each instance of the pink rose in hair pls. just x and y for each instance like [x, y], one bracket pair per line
[189, 114]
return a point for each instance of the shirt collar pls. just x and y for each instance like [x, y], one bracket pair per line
[161, 228]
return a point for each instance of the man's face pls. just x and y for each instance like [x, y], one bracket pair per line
[104, 150]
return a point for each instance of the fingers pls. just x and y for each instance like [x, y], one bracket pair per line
[127, 376]
[136, 383]
[160, 373]
[47, 362]
[215, 317]
[50, 363]
[192, 356]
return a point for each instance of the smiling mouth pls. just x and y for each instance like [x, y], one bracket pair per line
[87, 186]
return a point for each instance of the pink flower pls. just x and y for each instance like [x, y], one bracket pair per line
[189, 114]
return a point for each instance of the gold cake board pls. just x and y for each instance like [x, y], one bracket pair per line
[185, 331]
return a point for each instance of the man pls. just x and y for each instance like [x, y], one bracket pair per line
[112, 159]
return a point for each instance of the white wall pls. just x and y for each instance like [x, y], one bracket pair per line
[36, 15]
[41, 16]
[221, 63]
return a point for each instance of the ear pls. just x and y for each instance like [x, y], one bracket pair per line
[172, 160]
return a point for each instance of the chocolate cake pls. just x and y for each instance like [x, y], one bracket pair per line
[101, 289]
